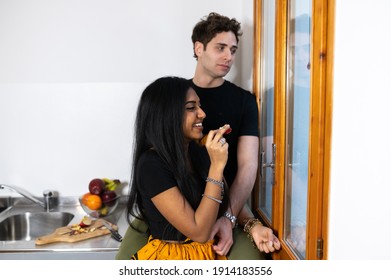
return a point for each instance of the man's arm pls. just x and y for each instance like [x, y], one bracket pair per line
[248, 147]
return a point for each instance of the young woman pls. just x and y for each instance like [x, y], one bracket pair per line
[177, 185]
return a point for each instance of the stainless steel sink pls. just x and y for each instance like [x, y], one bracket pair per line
[22, 221]
[28, 226]
[5, 202]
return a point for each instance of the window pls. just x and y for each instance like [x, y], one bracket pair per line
[293, 83]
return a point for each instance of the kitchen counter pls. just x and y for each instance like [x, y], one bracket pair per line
[102, 247]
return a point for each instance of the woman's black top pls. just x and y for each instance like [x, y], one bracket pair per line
[154, 177]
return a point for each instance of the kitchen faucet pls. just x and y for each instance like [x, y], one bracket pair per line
[46, 194]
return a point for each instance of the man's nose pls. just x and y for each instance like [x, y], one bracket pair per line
[228, 55]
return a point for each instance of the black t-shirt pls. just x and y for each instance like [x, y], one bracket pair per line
[229, 104]
[154, 177]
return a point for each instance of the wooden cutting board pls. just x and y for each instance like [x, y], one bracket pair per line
[67, 234]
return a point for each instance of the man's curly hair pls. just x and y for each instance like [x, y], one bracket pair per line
[205, 30]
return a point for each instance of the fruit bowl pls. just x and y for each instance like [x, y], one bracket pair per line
[95, 207]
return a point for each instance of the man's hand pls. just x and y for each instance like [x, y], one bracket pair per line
[264, 239]
[222, 232]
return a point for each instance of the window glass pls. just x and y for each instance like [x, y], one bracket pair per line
[297, 129]
[267, 106]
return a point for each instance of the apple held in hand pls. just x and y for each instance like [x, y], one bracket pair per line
[96, 186]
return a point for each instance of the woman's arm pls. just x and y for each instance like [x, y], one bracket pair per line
[197, 225]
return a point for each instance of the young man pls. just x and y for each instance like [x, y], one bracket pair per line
[215, 41]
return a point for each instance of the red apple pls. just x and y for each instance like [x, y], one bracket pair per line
[96, 186]
[85, 222]
[108, 198]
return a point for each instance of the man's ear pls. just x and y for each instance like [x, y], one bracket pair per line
[198, 48]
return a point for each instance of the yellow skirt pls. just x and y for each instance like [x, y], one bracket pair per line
[157, 249]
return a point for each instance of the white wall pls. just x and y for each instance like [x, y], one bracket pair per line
[360, 205]
[71, 73]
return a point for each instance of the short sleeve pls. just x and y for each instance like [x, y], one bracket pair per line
[153, 175]
[249, 121]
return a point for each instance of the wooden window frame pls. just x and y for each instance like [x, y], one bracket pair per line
[322, 41]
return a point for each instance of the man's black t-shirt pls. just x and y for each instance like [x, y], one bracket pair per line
[229, 104]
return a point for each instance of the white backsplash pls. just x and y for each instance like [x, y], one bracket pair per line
[60, 136]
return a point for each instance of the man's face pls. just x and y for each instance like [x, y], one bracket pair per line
[219, 55]
[300, 50]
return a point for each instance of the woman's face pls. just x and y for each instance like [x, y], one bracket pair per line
[193, 117]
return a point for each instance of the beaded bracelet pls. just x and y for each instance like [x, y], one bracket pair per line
[249, 225]
[212, 198]
[218, 183]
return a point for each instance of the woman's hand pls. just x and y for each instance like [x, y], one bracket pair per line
[217, 146]
[223, 231]
[264, 239]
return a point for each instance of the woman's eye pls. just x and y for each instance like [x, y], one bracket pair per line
[190, 108]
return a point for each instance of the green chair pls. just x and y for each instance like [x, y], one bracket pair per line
[242, 249]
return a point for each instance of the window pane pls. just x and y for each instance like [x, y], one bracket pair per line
[267, 105]
[298, 110]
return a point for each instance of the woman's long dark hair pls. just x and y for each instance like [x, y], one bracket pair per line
[159, 125]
